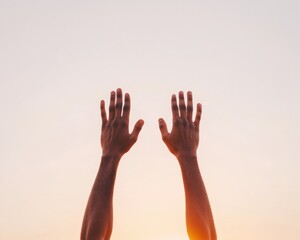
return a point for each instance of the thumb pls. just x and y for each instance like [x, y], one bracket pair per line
[136, 130]
[163, 129]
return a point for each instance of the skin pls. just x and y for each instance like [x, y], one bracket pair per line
[183, 141]
[116, 140]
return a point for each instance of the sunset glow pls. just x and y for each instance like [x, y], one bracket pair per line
[58, 59]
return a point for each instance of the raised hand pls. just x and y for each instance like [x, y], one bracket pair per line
[183, 139]
[115, 137]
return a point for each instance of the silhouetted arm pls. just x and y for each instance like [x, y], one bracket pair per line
[183, 142]
[115, 142]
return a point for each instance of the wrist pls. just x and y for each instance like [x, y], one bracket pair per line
[111, 154]
[110, 161]
[186, 156]
[187, 160]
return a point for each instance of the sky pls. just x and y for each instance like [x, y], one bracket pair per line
[240, 59]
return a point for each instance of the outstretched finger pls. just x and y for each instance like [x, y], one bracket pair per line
[182, 106]
[126, 108]
[136, 131]
[103, 113]
[163, 129]
[174, 106]
[189, 106]
[119, 102]
[198, 114]
[112, 106]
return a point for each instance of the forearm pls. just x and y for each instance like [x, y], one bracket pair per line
[199, 219]
[97, 222]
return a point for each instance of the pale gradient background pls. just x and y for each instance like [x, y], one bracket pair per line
[240, 59]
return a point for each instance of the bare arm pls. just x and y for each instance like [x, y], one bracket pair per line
[183, 142]
[115, 142]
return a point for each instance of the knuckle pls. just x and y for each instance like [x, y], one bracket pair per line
[164, 138]
[177, 122]
[119, 105]
[174, 108]
[124, 124]
[182, 107]
[111, 108]
[126, 108]
[134, 139]
[115, 123]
